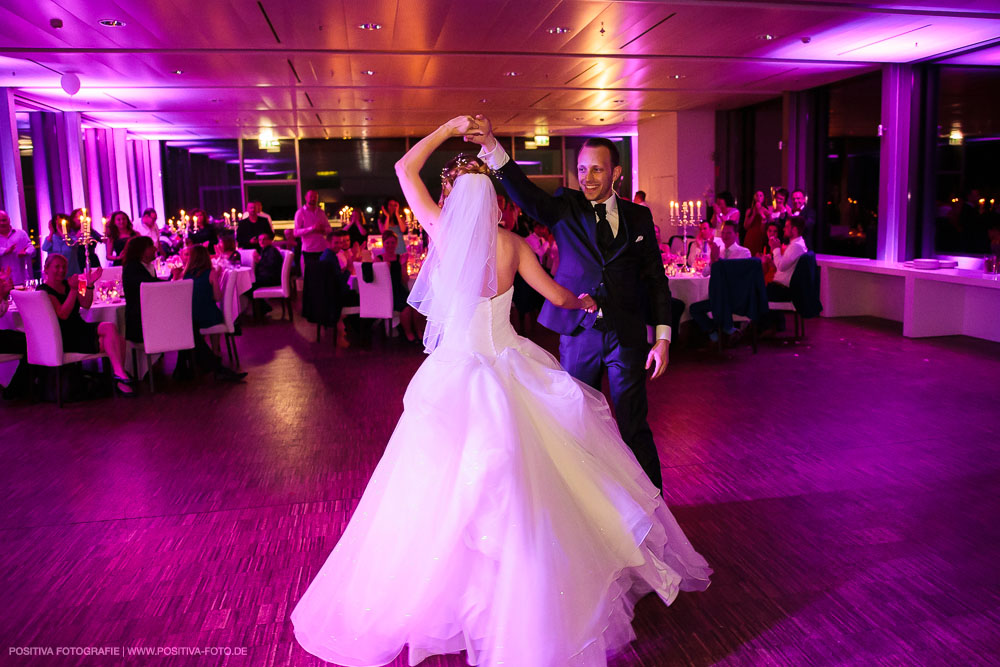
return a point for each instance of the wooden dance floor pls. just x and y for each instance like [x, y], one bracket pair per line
[845, 489]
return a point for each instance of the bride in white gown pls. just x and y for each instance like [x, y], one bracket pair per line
[506, 518]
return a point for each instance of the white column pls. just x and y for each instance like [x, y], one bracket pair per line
[10, 162]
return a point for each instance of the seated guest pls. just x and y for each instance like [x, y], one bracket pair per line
[408, 319]
[785, 261]
[56, 242]
[339, 246]
[702, 243]
[78, 335]
[16, 251]
[77, 257]
[137, 268]
[732, 250]
[149, 227]
[202, 230]
[772, 231]
[226, 248]
[205, 313]
[640, 198]
[12, 342]
[267, 262]
[250, 228]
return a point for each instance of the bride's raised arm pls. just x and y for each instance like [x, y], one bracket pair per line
[408, 169]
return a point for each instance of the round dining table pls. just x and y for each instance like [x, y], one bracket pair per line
[689, 288]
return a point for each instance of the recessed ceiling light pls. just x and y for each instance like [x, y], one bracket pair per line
[767, 37]
[483, 100]
[368, 72]
[178, 71]
[512, 74]
[618, 101]
[368, 100]
[559, 30]
[112, 23]
[677, 76]
[370, 26]
[368, 117]
[579, 118]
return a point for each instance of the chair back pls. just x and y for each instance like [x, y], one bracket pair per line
[230, 300]
[41, 328]
[111, 273]
[286, 272]
[737, 288]
[166, 314]
[804, 285]
[376, 296]
[246, 257]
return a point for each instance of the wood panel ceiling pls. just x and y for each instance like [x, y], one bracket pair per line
[306, 68]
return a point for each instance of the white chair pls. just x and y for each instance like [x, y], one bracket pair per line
[45, 343]
[246, 257]
[376, 298]
[111, 273]
[165, 311]
[283, 291]
[230, 308]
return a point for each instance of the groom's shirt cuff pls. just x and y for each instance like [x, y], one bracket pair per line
[663, 332]
[495, 158]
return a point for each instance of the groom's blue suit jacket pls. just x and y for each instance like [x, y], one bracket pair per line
[633, 270]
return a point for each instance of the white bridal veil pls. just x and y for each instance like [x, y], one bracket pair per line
[461, 267]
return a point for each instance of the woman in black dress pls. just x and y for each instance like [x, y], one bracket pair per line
[137, 260]
[78, 335]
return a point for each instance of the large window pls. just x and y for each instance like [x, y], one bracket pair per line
[966, 160]
[202, 174]
[849, 168]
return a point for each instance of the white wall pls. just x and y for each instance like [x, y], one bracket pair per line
[675, 159]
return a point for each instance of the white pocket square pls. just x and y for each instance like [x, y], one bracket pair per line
[638, 239]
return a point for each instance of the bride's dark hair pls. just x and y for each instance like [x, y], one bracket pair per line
[462, 163]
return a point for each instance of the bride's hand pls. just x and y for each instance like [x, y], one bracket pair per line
[462, 126]
[587, 303]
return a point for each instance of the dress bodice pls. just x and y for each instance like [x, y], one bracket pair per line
[489, 332]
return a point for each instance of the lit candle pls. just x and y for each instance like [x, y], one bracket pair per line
[65, 229]
[699, 209]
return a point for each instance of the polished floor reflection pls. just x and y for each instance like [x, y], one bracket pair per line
[843, 489]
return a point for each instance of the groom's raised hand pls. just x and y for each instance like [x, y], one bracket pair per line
[484, 137]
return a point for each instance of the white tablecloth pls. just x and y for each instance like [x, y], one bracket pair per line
[113, 312]
[689, 288]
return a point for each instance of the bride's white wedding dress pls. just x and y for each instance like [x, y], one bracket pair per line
[506, 518]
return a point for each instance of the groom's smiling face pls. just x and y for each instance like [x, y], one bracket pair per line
[596, 175]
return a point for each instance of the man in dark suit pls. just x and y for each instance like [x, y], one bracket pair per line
[607, 248]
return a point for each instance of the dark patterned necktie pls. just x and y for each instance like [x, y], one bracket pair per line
[605, 239]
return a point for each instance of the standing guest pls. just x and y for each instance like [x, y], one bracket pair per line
[312, 226]
[205, 313]
[12, 342]
[785, 261]
[779, 206]
[77, 259]
[800, 210]
[357, 227]
[538, 242]
[267, 263]
[408, 317]
[55, 242]
[148, 227]
[16, 251]
[117, 233]
[640, 198]
[78, 335]
[250, 228]
[753, 224]
[725, 210]
[773, 231]
[391, 218]
[702, 244]
[137, 268]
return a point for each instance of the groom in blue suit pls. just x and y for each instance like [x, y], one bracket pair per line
[608, 249]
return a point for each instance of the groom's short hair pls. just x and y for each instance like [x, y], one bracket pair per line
[595, 142]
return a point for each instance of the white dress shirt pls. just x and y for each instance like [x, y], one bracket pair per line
[784, 262]
[735, 251]
[497, 158]
[306, 222]
[18, 264]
